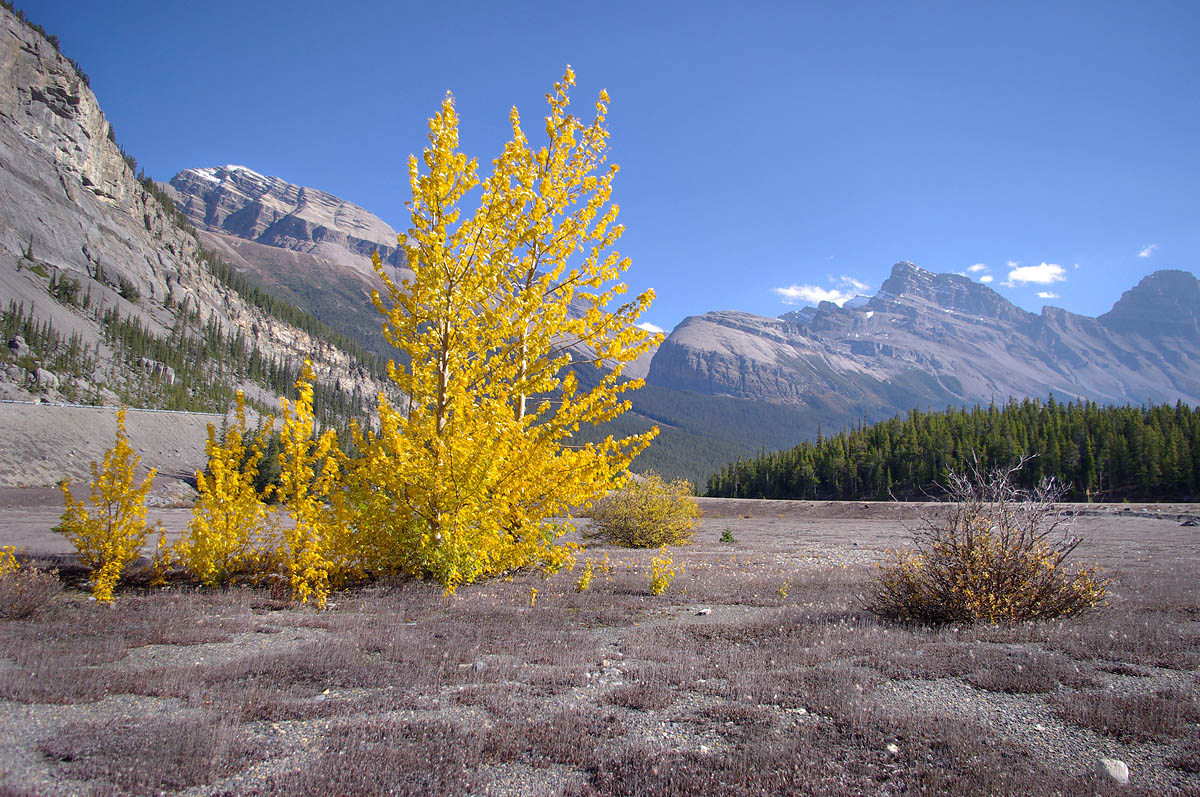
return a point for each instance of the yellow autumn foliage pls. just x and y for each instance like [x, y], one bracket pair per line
[646, 512]
[8, 560]
[317, 548]
[662, 572]
[461, 478]
[110, 529]
[230, 529]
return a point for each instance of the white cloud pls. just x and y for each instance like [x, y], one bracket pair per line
[975, 269]
[844, 289]
[1044, 274]
[1147, 250]
[1047, 295]
[1012, 263]
[812, 294]
[652, 328]
[986, 278]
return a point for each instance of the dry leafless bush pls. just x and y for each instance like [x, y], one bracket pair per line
[26, 590]
[994, 553]
[150, 755]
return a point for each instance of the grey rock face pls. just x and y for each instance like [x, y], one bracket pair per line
[935, 339]
[1164, 304]
[45, 379]
[238, 201]
[68, 197]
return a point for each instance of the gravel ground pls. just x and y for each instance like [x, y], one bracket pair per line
[776, 542]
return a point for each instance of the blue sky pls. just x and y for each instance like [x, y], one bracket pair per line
[770, 152]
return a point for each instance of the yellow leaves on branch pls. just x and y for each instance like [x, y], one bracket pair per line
[504, 300]
[316, 546]
[229, 530]
[110, 529]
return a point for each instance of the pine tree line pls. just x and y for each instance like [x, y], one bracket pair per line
[64, 355]
[1105, 453]
[209, 365]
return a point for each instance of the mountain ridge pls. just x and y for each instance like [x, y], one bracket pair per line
[928, 339]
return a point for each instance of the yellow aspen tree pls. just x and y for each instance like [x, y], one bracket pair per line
[229, 527]
[464, 475]
[110, 529]
[317, 547]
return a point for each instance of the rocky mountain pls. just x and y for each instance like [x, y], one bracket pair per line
[930, 339]
[240, 202]
[302, 244]
[106, 293]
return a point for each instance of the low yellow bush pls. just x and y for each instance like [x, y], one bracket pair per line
[662, 572]
[993, 555]
[230, 528]
[646, 512]
[110, 529]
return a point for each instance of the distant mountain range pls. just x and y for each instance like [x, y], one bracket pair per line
[935, 339]
[924, 339]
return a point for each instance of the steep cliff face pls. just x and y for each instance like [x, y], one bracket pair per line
[73, 213]
[936, 339]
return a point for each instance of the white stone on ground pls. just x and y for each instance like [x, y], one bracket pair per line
[1112, 769]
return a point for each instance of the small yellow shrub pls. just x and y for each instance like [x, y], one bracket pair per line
[9, 564]
[662, 572]
[229, 526]
[990, 556]
[645, 513]
[317, 547]
[110, 529]
[585, 578]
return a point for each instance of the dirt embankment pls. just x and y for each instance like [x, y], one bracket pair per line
[43, 444]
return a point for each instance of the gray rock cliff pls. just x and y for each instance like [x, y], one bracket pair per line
[72, 209]
[240, 202]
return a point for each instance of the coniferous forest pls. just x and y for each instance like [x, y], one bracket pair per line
[1098, 453]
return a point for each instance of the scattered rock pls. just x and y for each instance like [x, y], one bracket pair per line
[893, 749]
[1112, 769]
[704, 611]
[46, 379]
[1190, 522]
[18, 346]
